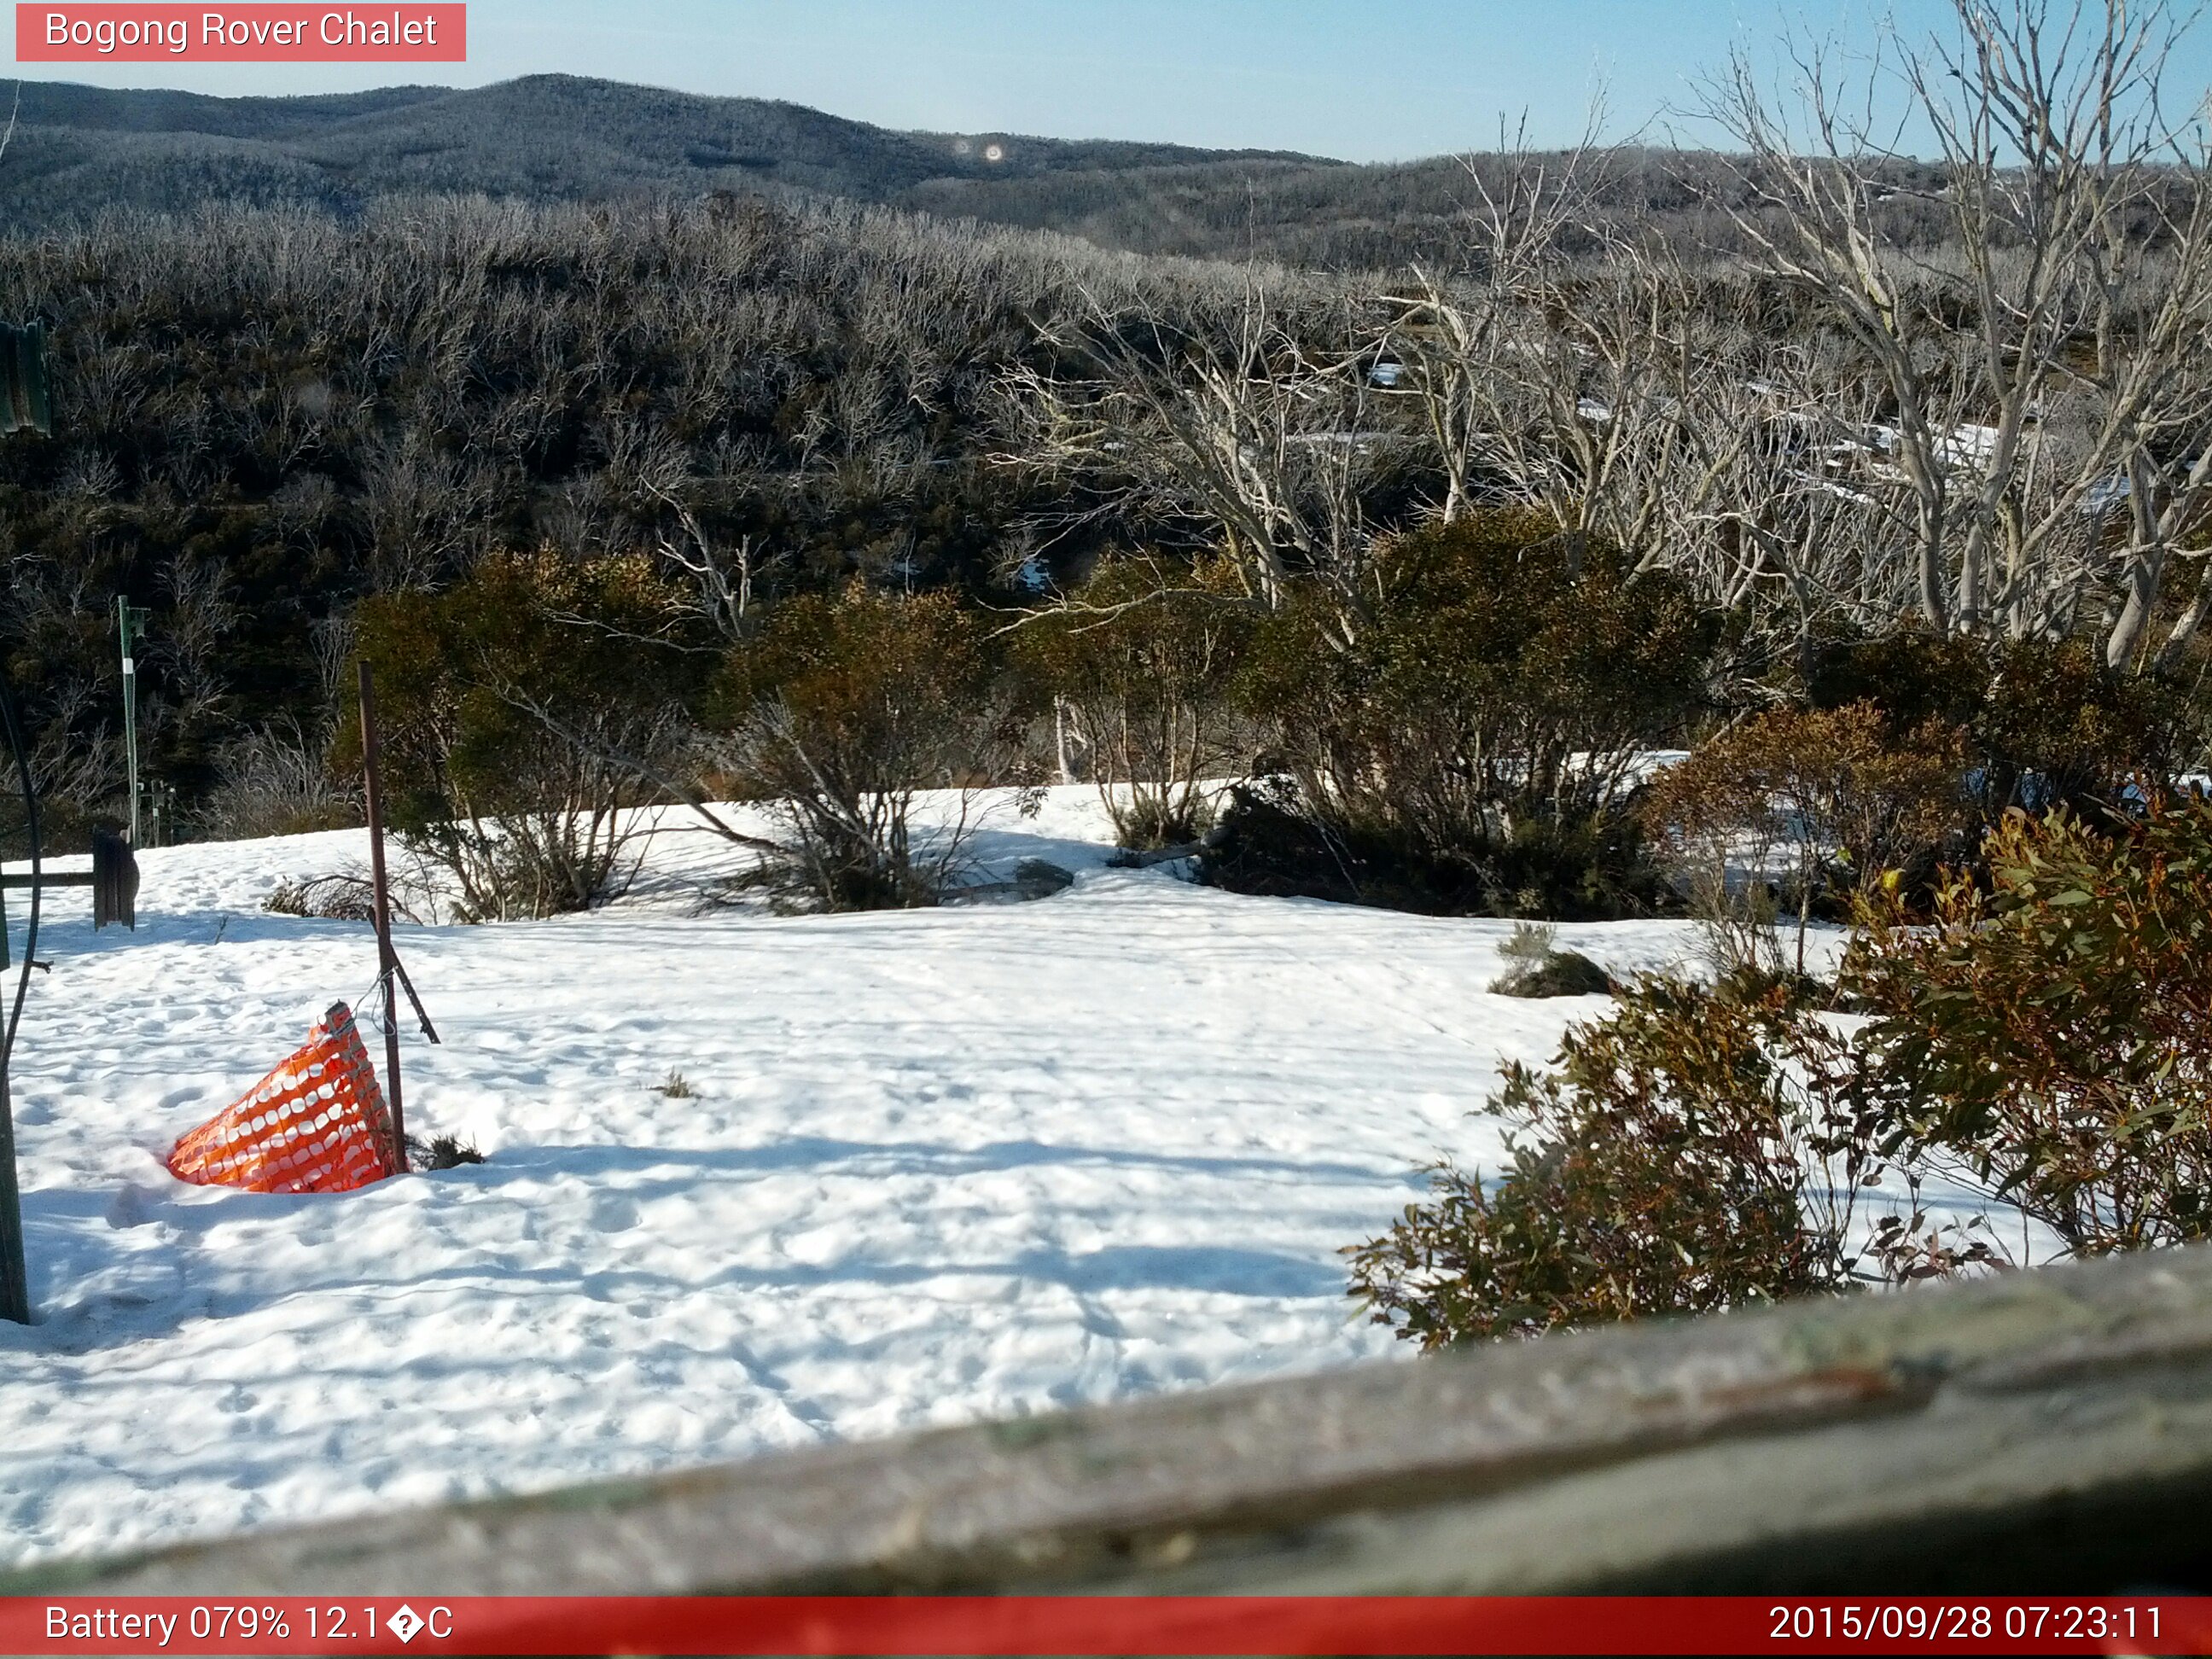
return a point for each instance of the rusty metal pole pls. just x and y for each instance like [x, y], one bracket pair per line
[387, 960]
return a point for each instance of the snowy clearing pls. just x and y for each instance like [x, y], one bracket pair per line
[940, 1166]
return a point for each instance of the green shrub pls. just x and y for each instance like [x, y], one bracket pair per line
[1471, 742]
[2045, 724]
[1830, 800]
[2047, 1029]
[442, 1152]
[844, 709]
[1143, 657]
[2059, 729]
[523, 710]
[1913, 676]
[1273, 838]
[2053, 1026]
[1689, 1153]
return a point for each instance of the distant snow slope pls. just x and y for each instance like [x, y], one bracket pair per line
[940, 1166]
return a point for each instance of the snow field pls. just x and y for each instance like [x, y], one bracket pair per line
[940, 1166]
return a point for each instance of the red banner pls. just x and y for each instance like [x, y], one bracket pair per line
[71, 32]
[1086, 1625]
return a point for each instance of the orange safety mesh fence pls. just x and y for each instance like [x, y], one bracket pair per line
[316, 1124]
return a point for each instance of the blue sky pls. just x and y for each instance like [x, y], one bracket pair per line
[1365, 80]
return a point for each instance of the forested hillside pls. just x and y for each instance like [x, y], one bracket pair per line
[263, 414]
[80, 150]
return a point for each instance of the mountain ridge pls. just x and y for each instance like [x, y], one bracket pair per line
[81, 149]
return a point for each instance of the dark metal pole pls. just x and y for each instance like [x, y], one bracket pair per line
[387, 960]
[14, 1282]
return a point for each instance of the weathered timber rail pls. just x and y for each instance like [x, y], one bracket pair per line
[2039, 1432]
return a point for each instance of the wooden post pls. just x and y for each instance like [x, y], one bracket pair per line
[387, 960]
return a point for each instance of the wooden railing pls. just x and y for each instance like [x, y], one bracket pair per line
[2038, 1432]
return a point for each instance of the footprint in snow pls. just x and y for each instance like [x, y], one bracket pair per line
[612, 1212]
[132, 1206]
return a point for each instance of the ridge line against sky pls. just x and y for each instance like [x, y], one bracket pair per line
[1358, 81]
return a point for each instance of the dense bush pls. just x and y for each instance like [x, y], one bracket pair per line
[2045, 724]
[1143, 657]
[1473, 746]
[2053, 1026]
[522, 710]
[842, 710]
[1826, 800]
[2047, 1032]
[1690, 1153]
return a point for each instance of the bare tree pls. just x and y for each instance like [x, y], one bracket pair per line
[1548, 376]
[1583, 362]
[1463, 348]
[723, 575]
[2050, 361]
[1237, 421]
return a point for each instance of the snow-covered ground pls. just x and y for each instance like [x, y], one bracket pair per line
[940, 1165]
